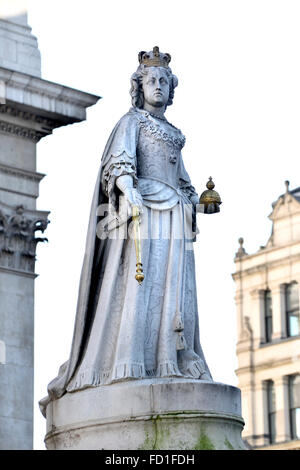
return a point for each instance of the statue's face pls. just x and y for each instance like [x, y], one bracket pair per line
[156, 87]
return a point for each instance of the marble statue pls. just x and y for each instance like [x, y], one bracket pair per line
[126, 330]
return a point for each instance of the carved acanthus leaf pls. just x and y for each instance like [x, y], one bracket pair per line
[17, 238]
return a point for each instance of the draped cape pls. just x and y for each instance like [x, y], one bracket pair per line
[122, 141]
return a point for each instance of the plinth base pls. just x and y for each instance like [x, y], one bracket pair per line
[164, 414]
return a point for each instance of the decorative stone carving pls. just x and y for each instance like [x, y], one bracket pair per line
[27, 116]
[241, 251]
[15, 121]
[20, 131]
[17, 238]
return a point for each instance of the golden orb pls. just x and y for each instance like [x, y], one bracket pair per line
[210, 198]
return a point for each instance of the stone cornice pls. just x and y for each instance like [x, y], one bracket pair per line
[265, 251]
[27, 116]
[286, 445]
[21, 131]
[266, 365]
[30, 212]
[261, 367]
[24, 174]
[62, 104]
[19, 272]
[25, 124]
[267, 265]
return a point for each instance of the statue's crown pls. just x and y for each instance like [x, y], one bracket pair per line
[154, 58]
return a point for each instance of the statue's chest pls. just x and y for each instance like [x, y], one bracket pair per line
[158, 150]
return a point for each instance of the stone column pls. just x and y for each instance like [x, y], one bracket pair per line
[259, 318]
[261, 416]
[239, 297]
[278, 305]
[30, 108]
[282, 409]
[248, 412]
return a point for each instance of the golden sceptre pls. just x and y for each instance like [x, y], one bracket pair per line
[137, 241]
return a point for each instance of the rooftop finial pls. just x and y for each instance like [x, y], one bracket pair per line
[241, 251]
[287, 185]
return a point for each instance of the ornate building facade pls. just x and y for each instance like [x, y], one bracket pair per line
[268, 347]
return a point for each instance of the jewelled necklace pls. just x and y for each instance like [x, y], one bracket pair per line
[161, 119]
[158, 117]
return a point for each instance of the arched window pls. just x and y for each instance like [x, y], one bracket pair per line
[292, 309]
[268, 315]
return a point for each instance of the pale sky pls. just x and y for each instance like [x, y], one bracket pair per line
[237, 103]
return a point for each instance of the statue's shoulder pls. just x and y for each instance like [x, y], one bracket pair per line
[123, 137]
[128, 126]
[131, 118]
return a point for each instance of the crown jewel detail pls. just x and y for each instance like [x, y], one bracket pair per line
[154, 58]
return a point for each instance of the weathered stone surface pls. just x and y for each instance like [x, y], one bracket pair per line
[30, 108]
[18, 47]
[18, 241]
[147, 414]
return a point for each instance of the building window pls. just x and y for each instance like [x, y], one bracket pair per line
[268, 315]
[292, 309]
[294, 402]
[271, 410]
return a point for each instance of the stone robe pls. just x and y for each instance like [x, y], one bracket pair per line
[124, 330]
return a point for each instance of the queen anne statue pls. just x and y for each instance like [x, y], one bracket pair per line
[125, 330]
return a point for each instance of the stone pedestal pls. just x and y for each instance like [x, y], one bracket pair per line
[165, 414]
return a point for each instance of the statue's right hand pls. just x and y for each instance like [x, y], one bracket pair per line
[134, 198]
[125, 184]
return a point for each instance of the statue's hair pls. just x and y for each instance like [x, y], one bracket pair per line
[136, 90]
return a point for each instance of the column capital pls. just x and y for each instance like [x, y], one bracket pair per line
[18, 242]
[261, 386]
[278, 288]
[281, 381]
[257, 293]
